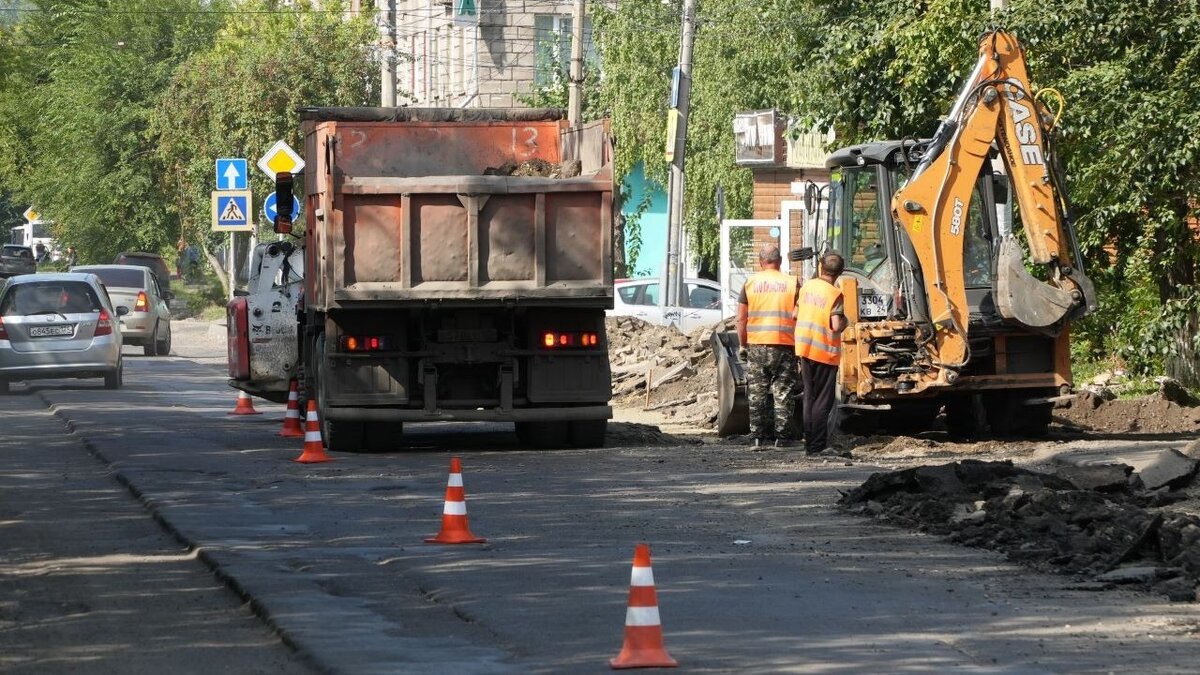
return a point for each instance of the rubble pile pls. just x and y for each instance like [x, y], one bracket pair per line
[1103, 522]
[1172, 409]
[539, 168]
[678, 370]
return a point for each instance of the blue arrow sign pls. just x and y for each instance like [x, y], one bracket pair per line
[232, 174]
[269, 210]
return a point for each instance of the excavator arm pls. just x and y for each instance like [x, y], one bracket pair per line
[995, 106]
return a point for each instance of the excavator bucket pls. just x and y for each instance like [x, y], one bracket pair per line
[733, 406]
[1022, 298]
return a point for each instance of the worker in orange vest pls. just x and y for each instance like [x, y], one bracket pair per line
[819, 325]
[766, 325]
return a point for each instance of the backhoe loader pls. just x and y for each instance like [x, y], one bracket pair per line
[955, 300]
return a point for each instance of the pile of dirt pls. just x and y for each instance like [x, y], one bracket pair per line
[1105, 523]
[679, 370]
[536, 167]
[1159, 413]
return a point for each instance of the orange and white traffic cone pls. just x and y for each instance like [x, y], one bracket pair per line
[455, 529]
[314, 447]
[291, 419]
[643, 630]
[245, 405]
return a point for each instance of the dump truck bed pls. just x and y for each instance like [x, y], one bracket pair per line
[404, 207]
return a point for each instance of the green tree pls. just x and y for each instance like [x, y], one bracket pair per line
[80, 82]
[745, 57]
[1129, 143]
[236, 98]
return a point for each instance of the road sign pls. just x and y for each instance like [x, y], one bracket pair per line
[232, 174]
[269, 210]
[281, 157]
[231, 211]
[466, 12]
[31, 215]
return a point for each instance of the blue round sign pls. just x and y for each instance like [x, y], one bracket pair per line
[269, 210]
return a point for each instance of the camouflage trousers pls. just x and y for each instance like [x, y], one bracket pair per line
[771, 375]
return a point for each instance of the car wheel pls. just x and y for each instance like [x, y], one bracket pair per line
[164, 345]
[151, 346]
[114, 379]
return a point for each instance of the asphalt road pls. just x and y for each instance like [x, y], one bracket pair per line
[757, 571]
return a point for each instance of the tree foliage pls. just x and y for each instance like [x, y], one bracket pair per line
[113, 112]
[78, 89]
[238, 97]
[744, 58]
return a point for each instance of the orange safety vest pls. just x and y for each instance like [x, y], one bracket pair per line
[815, 340]
[771, 308]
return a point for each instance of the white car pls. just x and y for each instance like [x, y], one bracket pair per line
[639, 298]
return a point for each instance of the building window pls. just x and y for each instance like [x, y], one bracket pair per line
[552, 48]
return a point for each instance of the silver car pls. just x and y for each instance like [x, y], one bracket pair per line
[58, 325]
[148, 321]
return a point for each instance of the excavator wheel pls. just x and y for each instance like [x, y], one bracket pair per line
[733, 405]
[1010, 416]
[965, 416]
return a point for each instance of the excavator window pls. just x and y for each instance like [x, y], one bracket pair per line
[865, 251]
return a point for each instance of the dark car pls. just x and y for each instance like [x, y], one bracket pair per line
[16, 260]
[152, 260]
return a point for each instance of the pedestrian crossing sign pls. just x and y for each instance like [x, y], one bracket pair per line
[231, 211]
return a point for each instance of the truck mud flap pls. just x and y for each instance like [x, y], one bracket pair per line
[733, 406]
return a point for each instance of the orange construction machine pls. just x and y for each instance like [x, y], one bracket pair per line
[955, 300]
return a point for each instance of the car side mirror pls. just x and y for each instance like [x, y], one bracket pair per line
[122, 310]
[168, 296]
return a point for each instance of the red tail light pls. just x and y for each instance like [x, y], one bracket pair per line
[103, 324]
[364, 343]
[552, 340]
[142, 304]
[3, 332]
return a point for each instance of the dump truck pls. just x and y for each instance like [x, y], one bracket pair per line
[457, 265]
[956, 302]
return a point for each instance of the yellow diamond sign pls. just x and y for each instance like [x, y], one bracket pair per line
[281, 157]
[31, 215]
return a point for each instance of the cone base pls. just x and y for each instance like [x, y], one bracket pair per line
[313, 458]
[465, 538]
[655, 658]
[244, 412]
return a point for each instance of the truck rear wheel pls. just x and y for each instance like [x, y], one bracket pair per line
[382, 436]
[587, 433]
[543, 435]
[339, 435]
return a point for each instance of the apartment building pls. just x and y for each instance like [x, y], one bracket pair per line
[444, 58]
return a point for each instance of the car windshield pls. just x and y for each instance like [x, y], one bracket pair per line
[49, 297]
[17, 251]
[117, 278]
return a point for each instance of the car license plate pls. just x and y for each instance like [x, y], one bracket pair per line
[51, 331]
[872, 306]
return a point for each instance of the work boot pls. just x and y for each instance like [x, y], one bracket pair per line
[783, 442]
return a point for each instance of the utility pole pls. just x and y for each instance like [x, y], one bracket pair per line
[575, 100]
[387, 52]
[674, 271]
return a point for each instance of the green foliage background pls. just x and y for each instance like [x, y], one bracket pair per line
[112, 112]
[890, 68]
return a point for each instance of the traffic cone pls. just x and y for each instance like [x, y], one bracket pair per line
[245, 405]
[454, 514]
[643, 630]
[291, 419]
[314, 447]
